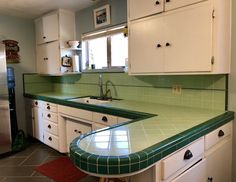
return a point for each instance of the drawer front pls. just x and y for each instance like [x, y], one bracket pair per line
[170, 5]
[51, 116]
[185, 156]
[51, 140]
[105, 119]
[51, 127]
[123, 120]
[74, 112]
[218, 135]
[47, 106]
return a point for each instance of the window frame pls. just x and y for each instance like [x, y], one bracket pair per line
[104, 33]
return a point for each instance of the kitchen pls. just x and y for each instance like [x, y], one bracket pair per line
[136, 88]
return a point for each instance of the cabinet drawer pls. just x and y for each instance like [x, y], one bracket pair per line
[51, 127]
[218, 135]
[104, 119]
[49, 106]
[51, 140]
[179, 3]
[50, 116]
[186, 156]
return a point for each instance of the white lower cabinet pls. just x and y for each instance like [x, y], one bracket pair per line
[75, 128]
[37, 123]
[197, 173]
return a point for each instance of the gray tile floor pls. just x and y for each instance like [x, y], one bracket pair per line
[20, 166]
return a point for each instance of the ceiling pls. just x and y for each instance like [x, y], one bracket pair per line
[34, 8]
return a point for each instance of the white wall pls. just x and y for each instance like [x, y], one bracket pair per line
[21, 30]
[232, 84]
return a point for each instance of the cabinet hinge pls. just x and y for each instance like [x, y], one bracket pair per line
[213, 13]
[212, 60]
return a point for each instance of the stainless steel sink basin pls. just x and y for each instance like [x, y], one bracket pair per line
[90, 100]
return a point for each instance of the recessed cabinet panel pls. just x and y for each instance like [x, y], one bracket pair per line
[142, 8]
[189, 35]
[146, 42]
[173, 4]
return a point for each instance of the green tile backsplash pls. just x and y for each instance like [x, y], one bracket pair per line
[201, 91]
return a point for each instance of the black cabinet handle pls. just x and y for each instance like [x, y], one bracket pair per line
[44, 37]
[158, 45]
[157, 2]
[167, 1]
[188, 155]
[50, 138]
[49, 126]
[167, 44]
[209, 179]
[49, 115]
[221, 133]
[104, 118]
[36, 103]
[77, 131]
[48, 107]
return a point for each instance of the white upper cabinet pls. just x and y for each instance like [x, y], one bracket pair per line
[47, 29]
[142, 8]
[53, 31]
[192, 37]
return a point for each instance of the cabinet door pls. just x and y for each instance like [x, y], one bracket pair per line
[38, 124]
[75, 129]
[48, 58]
[142, 8]
[197, 173]
[50, 27]
[173, 4]
[146, 52]
[219, 162]
[189, 39]
[47, 29]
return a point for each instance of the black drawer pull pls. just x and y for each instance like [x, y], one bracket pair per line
[49, 115]
[188, 155]
[167, 44]
[210, 179]
[167, 1]
[158, 45]
[104, 118]
[44, 37]
[221, 133]
[50, 138]
[77, 131]
[36, 103]
[48, 107]
[49, 126]
[157, 3]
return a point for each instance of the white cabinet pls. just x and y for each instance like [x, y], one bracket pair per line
[47, 28]
[172, 42]
[219, 154]
[142, 8]
[37, 121]
[47, 58]
[75, 128]
[197, 173]
[188, 37]
[53, 31]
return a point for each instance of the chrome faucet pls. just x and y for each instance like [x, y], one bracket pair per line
[103, 96]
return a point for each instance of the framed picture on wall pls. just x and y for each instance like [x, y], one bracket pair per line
[102, 16]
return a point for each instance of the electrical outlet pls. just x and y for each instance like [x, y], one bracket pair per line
[176, 89]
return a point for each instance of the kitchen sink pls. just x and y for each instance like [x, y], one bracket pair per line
[91, 100]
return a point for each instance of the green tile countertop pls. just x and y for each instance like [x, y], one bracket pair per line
[156, 131]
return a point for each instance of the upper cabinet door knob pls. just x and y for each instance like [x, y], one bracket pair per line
[157, 2]
[167, 44]
[167, 1]
[158, 45]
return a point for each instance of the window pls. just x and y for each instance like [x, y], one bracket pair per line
[105, 50]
